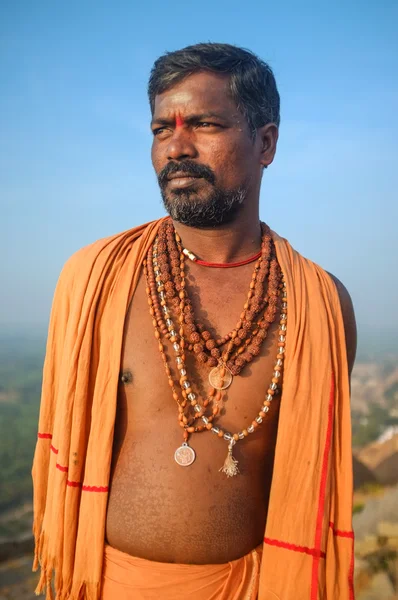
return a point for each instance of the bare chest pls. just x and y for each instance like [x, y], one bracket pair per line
[156, 507]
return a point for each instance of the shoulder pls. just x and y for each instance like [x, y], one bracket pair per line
[80, 264]
[81, 261]
[348, 313]
[303, 268]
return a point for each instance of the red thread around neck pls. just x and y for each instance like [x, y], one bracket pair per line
[204, 263]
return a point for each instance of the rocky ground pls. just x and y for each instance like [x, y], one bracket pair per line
[376, 546]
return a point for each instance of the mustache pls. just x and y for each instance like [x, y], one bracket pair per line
[189, 168]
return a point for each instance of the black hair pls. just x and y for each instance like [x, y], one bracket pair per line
[252, 83]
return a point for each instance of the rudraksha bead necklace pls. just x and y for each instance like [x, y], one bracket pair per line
[243, 344]
[159, 272]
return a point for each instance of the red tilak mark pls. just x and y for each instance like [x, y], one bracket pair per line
[322, 492]
[342, 533]
[203, 263]
[61, 468]
[295, 547]
[45, 436]
[94, 488]
[73, 483]
[179, 121]
[53, 449]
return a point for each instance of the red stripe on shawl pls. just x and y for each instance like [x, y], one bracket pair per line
[45, 436]
[341, 532]
[87, 488]
[94, 488]
[322, 492]
[347, 534]
[73, 483]
[295, 547]
[61, 468]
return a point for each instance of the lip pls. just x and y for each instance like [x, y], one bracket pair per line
[181, 175]
[181, 180]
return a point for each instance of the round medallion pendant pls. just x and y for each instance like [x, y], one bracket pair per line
[184, 455]
[220, 377]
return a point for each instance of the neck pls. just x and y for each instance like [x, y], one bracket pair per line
[227, 243]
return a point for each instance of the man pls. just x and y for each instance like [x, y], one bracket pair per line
[172, 461]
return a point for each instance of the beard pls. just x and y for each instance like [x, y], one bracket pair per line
[185, 206]
[220, 208]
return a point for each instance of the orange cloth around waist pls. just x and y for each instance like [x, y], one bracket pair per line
[126, 577]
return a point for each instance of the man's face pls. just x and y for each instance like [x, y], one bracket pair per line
[204, 156]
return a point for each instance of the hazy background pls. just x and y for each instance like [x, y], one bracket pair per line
[75, 166]
[75, 139]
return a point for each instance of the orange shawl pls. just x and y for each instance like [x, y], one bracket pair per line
[308, 543]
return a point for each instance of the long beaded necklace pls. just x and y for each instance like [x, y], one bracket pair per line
[161, 287]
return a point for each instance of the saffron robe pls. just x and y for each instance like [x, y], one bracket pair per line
[125, 577]
[308, 541]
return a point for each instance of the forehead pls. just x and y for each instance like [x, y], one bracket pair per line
[201, 92]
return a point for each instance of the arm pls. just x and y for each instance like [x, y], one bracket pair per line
[350, 327]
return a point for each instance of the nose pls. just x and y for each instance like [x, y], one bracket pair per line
[181, 145]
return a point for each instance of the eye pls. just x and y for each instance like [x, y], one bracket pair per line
[159, 130]
[206, 124]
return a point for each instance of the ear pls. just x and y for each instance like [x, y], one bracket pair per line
[268, 139]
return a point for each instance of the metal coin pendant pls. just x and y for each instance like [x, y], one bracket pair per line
[184, 455]
[220, 377]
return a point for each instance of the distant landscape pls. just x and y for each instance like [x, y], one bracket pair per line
[375, 442]
[21, 363]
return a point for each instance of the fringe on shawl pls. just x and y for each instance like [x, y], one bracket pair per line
[46, 565]
[48, 568]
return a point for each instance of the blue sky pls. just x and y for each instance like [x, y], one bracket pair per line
[75, 140]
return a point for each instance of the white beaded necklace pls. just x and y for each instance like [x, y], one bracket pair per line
[185, 454]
